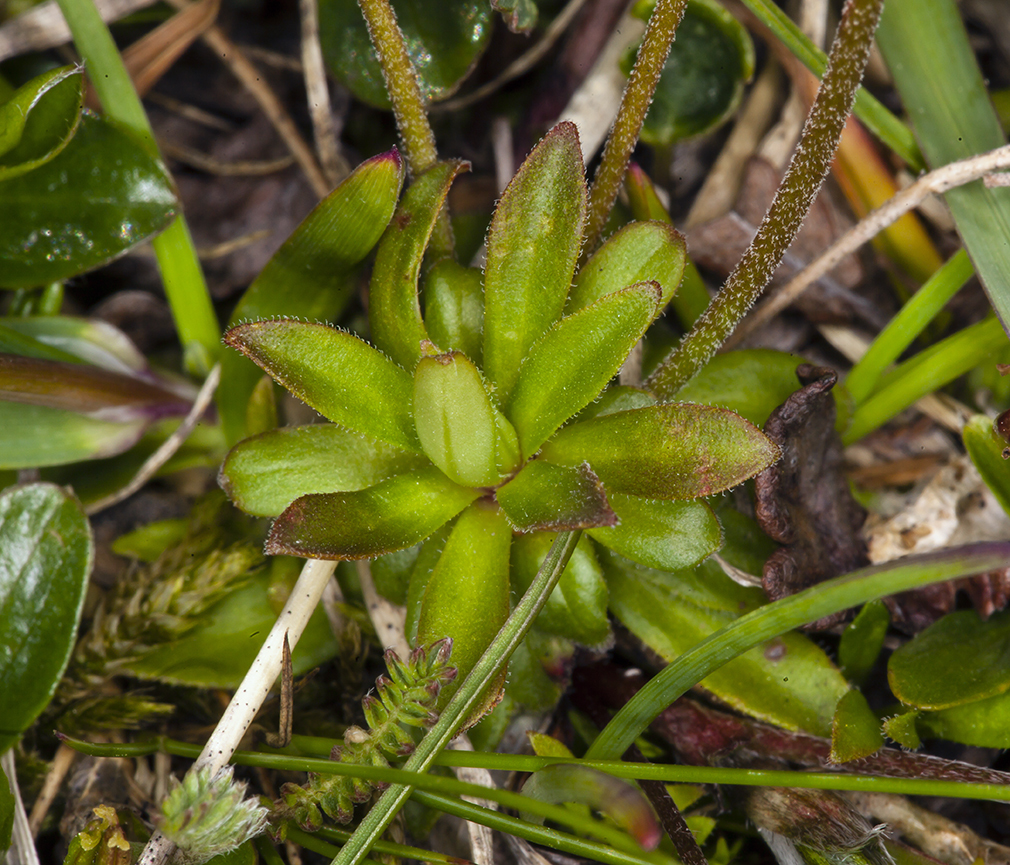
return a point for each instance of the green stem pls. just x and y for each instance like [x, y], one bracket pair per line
[801, 183]
[623, 136]
[181, 273]
[464, 700]
[777, 618]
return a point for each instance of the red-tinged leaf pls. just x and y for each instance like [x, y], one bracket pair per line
[555, 498]
[567, 368]
[532, 247]
[394, 312]
[661, 534]
[392, 515]
[266, 473]
[639, 252]
[339, 375]
[668, 451]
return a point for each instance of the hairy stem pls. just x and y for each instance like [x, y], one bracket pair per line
[637, 96]
[801, 183]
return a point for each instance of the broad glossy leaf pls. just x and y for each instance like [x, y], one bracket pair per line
[669, 451]
[532, 247]
[100, 196]
[984, 723]
[467, 595]
[577, 608]
[544, 496]
[314, 273]
[457, 424]
[39, 120]
[753, 382]
[64, 337]
[46, 554]
[639, 252]
[661, 534]
[787, 681]
[702, 81]
[444, 39]
[394, 312]
[217, 652]
[855, 732]
[266, 473]
[392, 515]
[567, 368]
[340, 376]
[985, 449]
[955, 661]
[454, 308]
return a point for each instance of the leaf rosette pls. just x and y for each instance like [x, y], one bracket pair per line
[480, 419]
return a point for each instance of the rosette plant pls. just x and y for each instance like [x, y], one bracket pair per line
[487, 422]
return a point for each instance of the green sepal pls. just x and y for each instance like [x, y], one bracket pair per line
[394, 311]
[339, 375]
[661, 534]
[39, 120]
[266, 473]
[314, 273]
[855, 730]
[568, 367]
[668, 451]
[457, 424]
[577, 608]
[454, 308]
[467, 594]
[639, 252]
[392, 515]
[532, 246]
[555, 498]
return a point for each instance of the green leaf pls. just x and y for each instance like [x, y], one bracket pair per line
[217, 652]
[568, 367]
[46, 554]
[661, 534]
[7, 808]
[985, 449]
[444, 40]
[314, 273]
[454, 308]
[639, 252]
[617, 397]
[64, 337]
[955, 661]
[704, 75]
[577, 608]
[102, 195]
[985, 723]
[392, 515]
[669, 451]
[457, 424]
[394, 312]
[532, 247]
[467, 595]
[855, 731]
[862, 641]
[38, 121]
[544, 496]
[787, 681]
[902, 728]
[266, 473]
[340, 376]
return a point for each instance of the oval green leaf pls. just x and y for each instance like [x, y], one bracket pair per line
[314, 273]
[985, 723]
[567, 368]
[341, 376]
[668, 451]
[46, 554]
[855, 731]
[38, 121]
[957, 660]
[532, 247]
[556, 498]
[454, 308]
[392, 515]
[862, 641]
[661, 534]
[102, 195]
[444, 40]
[266, 473]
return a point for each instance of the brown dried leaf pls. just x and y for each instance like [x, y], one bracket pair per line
[803, 501]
